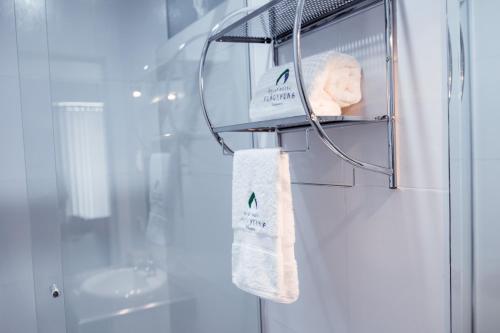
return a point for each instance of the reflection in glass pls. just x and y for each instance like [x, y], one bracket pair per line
[145, 244]
[182, 13]
[84, 159]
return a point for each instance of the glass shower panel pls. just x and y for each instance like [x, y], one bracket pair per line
[146, 245]
[460, 169]
[474, 165]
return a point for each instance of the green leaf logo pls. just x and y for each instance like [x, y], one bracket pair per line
[285, 75]
[252, 200]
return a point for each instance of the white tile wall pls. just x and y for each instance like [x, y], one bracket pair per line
[398, 261]
[370, 260]
[373, 259]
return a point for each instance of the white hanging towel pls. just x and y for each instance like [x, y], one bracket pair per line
[332, 82]
[263, 257]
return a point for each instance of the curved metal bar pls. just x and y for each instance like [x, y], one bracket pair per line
[201, 72]
[313, 119]
[201, 87]
[450, 66]
[462, 62]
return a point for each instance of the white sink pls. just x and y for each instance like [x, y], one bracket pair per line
[123, 283]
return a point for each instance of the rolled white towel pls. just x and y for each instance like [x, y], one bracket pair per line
[332, 82]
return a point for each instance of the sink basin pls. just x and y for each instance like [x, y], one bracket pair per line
[123, 283]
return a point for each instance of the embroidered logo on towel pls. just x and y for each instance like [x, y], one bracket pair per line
[252, 200]
[285, 75]
[251, 217]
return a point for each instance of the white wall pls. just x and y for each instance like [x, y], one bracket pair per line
[373, 259]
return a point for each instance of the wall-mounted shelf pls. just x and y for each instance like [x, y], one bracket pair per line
[280, 21]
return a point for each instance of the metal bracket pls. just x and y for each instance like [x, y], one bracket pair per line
[307, 147]
[225, 150]
[353, 182]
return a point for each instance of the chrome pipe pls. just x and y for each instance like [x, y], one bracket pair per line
[391, 91]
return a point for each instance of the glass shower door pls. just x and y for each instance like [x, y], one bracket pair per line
[145, 244]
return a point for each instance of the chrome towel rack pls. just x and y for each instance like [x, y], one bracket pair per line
[280, 21]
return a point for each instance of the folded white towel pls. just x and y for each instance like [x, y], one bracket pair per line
[263, 224]
[332, 81]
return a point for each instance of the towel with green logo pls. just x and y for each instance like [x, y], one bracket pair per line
[263, 258]
[332, 81]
